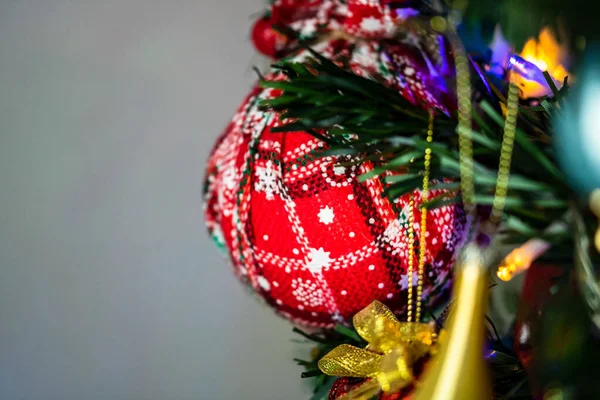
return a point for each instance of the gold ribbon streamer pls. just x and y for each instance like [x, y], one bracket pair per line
[350, 361]
[394, 347]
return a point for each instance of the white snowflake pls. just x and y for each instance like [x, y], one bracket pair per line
[317, 260]
[371, 24]
[404, 281]
[326, 215]
[339, 170]
[267, 180]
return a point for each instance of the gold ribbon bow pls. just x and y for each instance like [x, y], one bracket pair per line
[394, 347]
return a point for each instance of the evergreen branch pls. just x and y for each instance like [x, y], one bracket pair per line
[363, 120]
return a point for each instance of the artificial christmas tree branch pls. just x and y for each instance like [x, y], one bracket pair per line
[366, 120]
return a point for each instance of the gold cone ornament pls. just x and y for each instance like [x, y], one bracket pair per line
[459, 371]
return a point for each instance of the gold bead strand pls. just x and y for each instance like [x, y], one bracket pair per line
[411, 245]
[424, 198]
[506, 151]
[515, 262]
[465, 135]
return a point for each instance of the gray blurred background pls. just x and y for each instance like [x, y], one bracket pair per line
[109, 286]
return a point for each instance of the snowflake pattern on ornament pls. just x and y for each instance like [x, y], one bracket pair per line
[266, 180]
[326, 215]
[318, 259]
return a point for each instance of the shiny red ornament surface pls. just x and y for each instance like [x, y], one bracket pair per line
[266, 39]
[301, 231]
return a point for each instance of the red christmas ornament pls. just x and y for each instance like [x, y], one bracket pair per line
[535, 295]
[301, 230]
[266, 39]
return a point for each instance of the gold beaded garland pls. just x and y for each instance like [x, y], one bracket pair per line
[422, 240]
[508, 140]
[411, 241]
[465, 135]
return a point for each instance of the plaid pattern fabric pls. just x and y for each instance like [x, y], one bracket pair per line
[373, 19]
[302, 232]
[309, 19]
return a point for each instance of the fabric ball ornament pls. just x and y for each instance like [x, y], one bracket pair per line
[302, 232]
